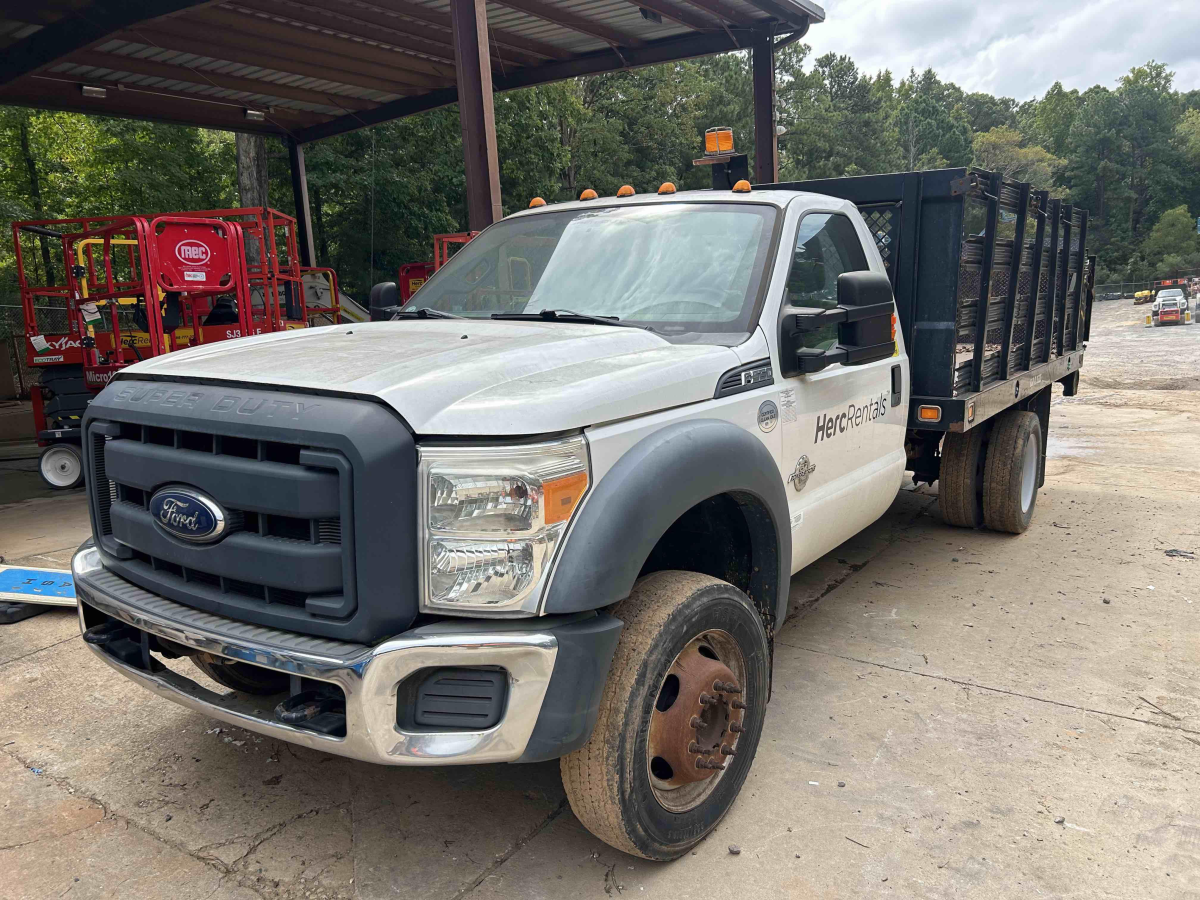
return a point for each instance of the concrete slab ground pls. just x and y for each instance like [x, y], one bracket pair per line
[955, 713]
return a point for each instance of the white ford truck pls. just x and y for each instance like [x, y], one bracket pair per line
[550, 508]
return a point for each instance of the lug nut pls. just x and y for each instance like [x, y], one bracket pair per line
[693, 747]
[727, 750]
[707, 700]
[696, 722]
[736, 727]
[738, 704]
[726, 687]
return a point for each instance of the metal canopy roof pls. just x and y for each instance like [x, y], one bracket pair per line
[312, 69]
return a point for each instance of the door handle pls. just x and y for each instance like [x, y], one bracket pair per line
[897, 385]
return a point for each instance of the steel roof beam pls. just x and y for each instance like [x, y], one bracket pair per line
[677, 14]
[339, 46]
[496, 36]
[797, 13]
[74, 32]
[135, 65]
[667, 50]
[565, 19]
[44, 93]
[724, 11]
[250, 52]
[428, 40]
[307, 49]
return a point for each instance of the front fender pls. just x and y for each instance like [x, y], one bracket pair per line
[650, 487]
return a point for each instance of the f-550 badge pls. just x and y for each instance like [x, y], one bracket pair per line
[799, 476]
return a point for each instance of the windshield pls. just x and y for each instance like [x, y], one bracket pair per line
[674, 268]
[1174, 294]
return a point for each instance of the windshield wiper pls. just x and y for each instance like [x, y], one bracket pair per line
[422, 313]
[566, 315]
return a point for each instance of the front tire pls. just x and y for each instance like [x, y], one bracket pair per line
[657, 776]
[1012, 472]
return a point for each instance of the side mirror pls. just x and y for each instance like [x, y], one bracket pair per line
[385, 297]
[864, 321]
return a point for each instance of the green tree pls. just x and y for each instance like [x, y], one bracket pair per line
[1002, 150]
[1053, 117]
[986, 112]
[1173, 245]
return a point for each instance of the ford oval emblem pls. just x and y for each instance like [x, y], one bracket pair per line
[188, 514]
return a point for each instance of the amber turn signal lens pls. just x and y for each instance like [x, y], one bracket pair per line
[536, 202]
[562, 495]
[625, 190]
[742, 187]
[666, 188]
[929, 413]
[588, 194]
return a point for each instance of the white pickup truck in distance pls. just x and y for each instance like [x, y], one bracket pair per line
[551, 507]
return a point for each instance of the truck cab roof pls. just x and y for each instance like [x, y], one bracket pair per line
[778, 198]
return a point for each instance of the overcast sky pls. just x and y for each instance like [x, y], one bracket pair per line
[1015, 48]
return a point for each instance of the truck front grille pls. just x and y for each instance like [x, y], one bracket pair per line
[320, 493]
[285, 508]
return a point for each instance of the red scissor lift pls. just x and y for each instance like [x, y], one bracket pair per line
[138, 286]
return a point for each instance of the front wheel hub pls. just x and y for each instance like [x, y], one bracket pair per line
[696, 721]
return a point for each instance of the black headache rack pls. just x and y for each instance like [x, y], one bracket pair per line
[992, 280]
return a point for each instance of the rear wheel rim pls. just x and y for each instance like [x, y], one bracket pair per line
[60, 466]
[1029, 467]
[697, 719]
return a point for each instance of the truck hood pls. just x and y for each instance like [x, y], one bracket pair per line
[471, 377]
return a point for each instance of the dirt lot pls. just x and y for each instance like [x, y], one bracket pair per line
[1009, 716]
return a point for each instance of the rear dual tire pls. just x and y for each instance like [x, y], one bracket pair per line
[614, 782]
[992, 478]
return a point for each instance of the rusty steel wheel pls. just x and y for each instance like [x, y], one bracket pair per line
[696, 722]
[680, 716]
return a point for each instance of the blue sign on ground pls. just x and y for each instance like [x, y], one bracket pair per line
[37, 586]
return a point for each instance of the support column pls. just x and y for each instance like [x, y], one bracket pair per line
[766, 141]
[304, 230]
[472, 62]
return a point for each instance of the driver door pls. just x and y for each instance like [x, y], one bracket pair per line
[843, 425]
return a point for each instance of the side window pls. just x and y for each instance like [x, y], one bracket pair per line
[826, 246]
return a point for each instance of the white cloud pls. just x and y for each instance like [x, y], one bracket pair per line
[1015, 48]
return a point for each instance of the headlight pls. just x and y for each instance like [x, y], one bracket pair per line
[492, 519]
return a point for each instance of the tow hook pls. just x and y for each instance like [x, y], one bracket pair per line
[314, 710]
[124, 642]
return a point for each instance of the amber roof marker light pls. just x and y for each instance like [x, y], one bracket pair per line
[625, 190]
[742, 187]
[666, 188]
[588, 194]
[536, 202]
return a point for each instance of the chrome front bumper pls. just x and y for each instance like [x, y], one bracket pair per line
[368, 676]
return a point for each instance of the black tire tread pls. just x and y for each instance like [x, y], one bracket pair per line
[958, 485]
[589, 775]
[1002, 472]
